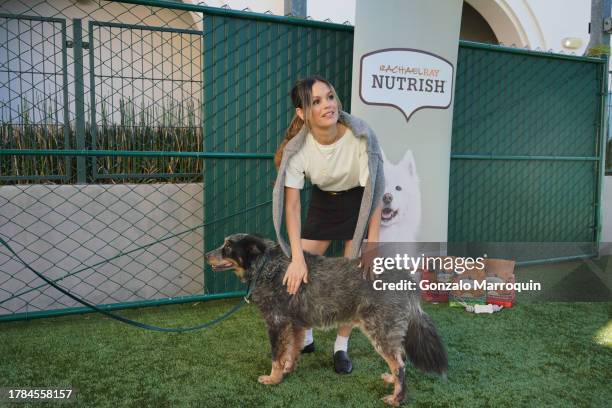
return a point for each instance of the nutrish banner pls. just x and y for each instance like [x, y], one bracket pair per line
[404, 59]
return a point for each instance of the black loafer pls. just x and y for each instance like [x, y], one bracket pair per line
[308, 349]
[342, 362]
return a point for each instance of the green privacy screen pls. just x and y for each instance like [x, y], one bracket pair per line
[525, 148]
[249, 69]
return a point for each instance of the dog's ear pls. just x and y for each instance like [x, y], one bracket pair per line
[255, 245]
[408, 163]
[251, 248]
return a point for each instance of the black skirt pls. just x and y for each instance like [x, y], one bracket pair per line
[332, 215]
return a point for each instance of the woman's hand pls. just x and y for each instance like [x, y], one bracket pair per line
[297, 272]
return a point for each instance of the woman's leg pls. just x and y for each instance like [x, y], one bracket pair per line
[342, 363]
[316, 248]
[348, 244]
[345, 330]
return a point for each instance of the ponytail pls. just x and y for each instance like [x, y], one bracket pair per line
[294, 127]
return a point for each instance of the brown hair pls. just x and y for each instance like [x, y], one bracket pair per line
[301, 96]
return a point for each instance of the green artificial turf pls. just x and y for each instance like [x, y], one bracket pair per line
[535, 354]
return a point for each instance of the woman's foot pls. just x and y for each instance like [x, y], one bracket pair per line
[310, 348]
[342, 362]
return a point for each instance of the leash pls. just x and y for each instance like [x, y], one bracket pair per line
[266, 258]
[125, 320]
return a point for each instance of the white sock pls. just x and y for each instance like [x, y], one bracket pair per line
[308, 337]
[341, 343]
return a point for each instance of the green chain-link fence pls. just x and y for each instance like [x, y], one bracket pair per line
[167, 118]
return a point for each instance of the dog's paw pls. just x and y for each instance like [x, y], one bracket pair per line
[389, 378]
[391, 400]
[269, 380]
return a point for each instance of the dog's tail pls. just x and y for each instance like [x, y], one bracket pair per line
[424, 346]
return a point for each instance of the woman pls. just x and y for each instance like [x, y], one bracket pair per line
[340, 155]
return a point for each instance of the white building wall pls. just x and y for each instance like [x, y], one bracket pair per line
[258, 6]
[534, 23]
[60, 229]
[556, 20]
[339, 12]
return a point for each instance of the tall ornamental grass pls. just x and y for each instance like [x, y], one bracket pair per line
[167, 126]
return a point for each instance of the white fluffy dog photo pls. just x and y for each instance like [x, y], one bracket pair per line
[401, 213]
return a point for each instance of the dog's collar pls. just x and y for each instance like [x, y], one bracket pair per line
[255, 275]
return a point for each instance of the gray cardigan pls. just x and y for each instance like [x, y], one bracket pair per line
[372, 193]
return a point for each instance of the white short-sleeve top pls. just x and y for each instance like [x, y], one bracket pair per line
[339, 166]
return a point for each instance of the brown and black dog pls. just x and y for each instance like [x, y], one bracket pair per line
[336, 294]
